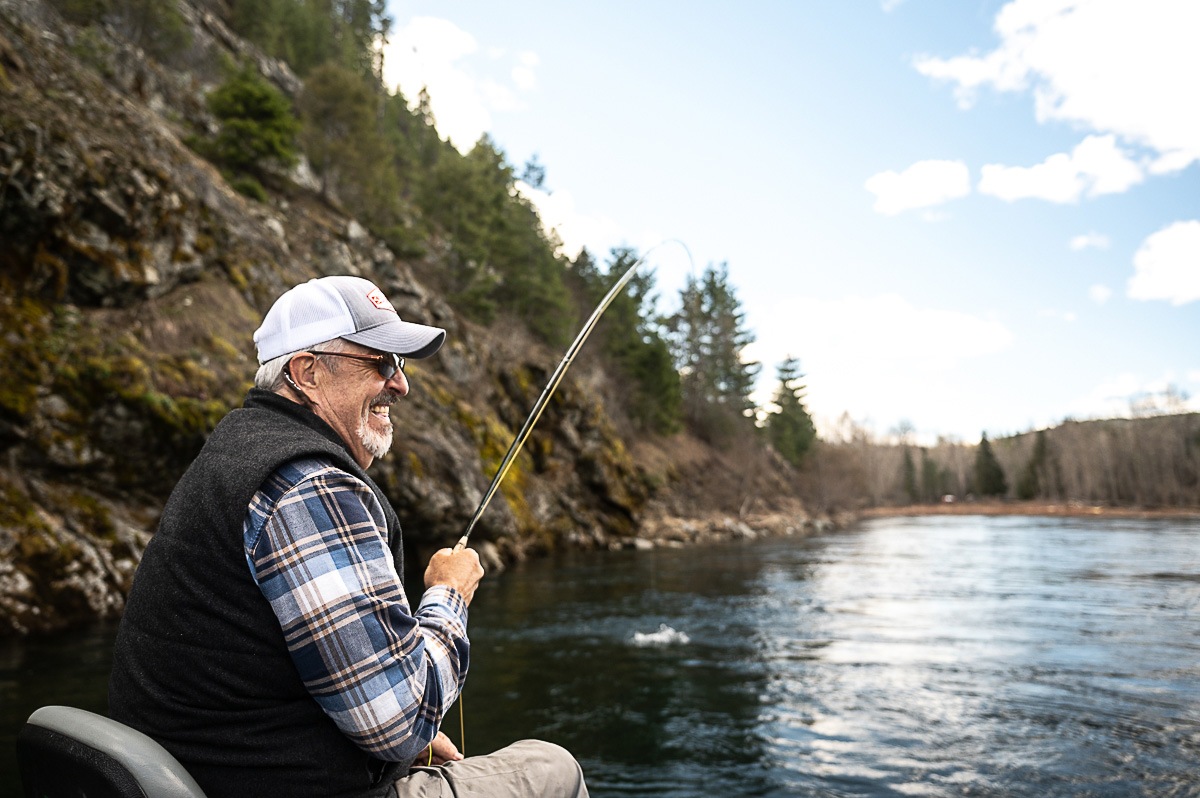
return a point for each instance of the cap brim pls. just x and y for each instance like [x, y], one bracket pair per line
[403, 338]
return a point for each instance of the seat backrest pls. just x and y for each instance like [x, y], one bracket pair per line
[63, 751]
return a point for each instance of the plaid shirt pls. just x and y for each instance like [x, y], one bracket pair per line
[316, 543]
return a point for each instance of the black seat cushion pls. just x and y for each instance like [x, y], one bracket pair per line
[54, 765]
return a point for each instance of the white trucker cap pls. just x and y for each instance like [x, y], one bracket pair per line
[347, 307]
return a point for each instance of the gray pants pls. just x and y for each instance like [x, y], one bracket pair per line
[525, 769]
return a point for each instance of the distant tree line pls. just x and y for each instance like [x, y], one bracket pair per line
[1144, 462]
[1147, 462]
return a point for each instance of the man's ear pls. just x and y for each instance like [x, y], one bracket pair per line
[301, 372]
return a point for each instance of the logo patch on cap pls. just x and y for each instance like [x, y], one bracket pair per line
[380, 301]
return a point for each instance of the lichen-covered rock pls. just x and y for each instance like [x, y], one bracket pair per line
[66, 555]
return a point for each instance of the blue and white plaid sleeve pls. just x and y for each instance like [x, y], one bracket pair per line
[316, 543]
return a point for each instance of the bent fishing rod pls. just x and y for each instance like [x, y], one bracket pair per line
[555, 379]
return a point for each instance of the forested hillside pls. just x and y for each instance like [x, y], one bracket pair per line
[168, 169]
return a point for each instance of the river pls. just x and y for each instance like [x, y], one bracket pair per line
[906, 657]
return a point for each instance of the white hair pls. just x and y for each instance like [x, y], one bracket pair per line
[270, 374]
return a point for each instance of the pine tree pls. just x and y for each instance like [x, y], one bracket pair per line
[1034, 477]
[989, 476]
[908, 476]
[503, 260]
[309, 33]
[790, 429]
[257, 125]
[344, 143]
[708, 336]
[631, 336]
[534, 174]
[932, 478]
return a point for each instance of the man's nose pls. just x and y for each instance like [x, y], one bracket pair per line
[398, 383]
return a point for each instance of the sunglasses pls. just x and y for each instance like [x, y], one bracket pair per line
[387, 365]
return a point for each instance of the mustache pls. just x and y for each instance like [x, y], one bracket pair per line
[385, 398]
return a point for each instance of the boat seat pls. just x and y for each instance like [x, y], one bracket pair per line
[64, 751]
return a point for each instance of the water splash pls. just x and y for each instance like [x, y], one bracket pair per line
[665, 636]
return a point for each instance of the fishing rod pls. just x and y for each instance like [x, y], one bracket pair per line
[555, 379]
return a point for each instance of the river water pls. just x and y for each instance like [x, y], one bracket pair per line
[907, 657]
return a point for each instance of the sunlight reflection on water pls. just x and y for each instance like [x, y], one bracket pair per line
[931, 657]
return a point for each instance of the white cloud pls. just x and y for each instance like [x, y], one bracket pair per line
[1068, 316]
[1096, 166]
[856, 348]
[524, 78]
[522, 74]
[1167, 265]
[1113, 66]
[437, 55]
[1128, 394]
[923, 184]
[1099, 293]
[1110, 398]
[498, 97]
[889, 328]
[1092, 239]
[574, 229]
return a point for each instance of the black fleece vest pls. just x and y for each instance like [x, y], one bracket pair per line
[200, 663]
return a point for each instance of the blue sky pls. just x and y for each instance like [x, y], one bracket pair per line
[965, 215]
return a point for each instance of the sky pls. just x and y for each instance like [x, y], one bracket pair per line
[960, 215]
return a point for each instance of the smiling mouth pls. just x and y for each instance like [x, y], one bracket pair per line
[381, 406]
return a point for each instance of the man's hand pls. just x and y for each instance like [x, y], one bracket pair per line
[457, 569]
[443, 751]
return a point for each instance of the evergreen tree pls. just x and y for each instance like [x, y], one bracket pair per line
[309, 33]
[502, 258]
[631, 336]
[534, 174]
[1033, 479]
[790, 428]
[707, 339]
[932, 478]
[257, 125]
[989, 476]
[908, 476]
[346, 146]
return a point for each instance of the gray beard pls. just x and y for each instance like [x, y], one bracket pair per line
[377, 444]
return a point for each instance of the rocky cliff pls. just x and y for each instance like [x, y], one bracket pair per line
[131, 280]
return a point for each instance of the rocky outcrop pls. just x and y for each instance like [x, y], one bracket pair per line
[67, 555]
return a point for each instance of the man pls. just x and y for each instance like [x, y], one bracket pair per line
[267, 642]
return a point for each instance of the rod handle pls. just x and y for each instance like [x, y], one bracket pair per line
[461, 544]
